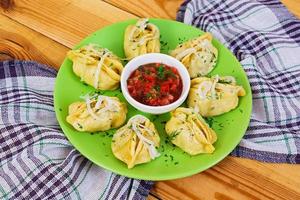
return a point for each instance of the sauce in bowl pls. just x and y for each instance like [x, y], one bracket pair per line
[155, 84]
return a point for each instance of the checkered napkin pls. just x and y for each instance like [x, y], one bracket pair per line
[36, 160]
[265, 38]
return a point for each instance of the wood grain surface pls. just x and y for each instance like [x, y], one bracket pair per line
[65, 21]
[45, 30]
[293, 6]
[20, 42]
[153, 8]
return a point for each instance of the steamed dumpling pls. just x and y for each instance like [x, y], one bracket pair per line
[136, 142]
[214, 96]
[96, 66]
[190, 132]
[141, 38]
[198, 55]
[97, 113]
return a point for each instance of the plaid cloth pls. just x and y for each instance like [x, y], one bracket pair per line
[265, 38]
[36, 160]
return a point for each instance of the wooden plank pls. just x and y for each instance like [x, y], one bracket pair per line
[65, 21]
[152, 197]
[149, 8]
[20, 42]
[236, 178]
[293, 6]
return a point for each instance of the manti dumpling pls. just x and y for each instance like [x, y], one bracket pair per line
[190, 132]
[96, 66]
[198, 55]
[97, 113]
[136, 142]
[141, 38]
[214, 96]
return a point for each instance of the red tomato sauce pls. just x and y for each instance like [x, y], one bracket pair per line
[155, 84]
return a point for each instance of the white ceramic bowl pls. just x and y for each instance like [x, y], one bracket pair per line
[155, 58]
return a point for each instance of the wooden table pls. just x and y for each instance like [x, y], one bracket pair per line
[45, 30]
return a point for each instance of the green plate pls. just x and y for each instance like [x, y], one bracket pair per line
[173, 162]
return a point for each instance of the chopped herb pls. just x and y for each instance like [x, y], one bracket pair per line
[172, 158]
[170, 73]
[85, 84]
[60, 109]
[209, 121]
[160, 71]
[163, 43]
[176, 163]
[106, 155]
[148, 95]
[173, 135]
[99, 92]
[241, 111]
[107, 134]
[157, 88]
[163, 122]
[224, 81]
[213, 58]
[79, 125]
